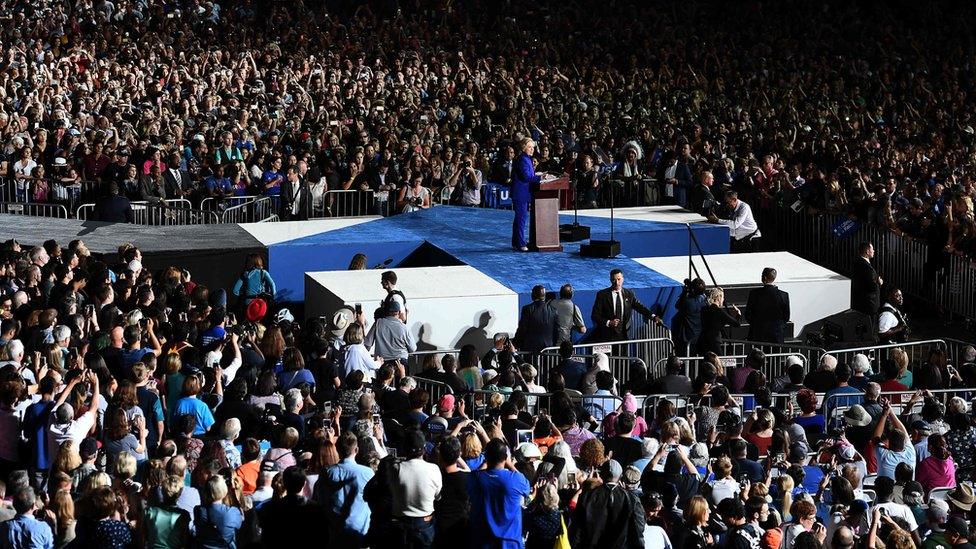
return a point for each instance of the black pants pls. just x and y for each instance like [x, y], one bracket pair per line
[745, 245]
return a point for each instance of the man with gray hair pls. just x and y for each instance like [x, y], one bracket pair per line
[861, 369]
[294, 402]
[872, 393]
[967, 368]
[822, 379]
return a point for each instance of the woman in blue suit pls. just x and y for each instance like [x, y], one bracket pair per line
[524, 182]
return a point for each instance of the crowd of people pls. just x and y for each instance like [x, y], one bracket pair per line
[138, 408]
[424, 101]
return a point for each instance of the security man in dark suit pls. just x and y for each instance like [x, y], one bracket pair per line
[613, 309]
[113, 208]
[296, 197]
[768, 310]
[537, 325]
[865, 282]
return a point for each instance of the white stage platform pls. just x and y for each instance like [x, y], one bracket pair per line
[283, 231]
[815, 292]
[664, 214]
[448, 306]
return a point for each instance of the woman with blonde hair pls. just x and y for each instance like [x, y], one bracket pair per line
[472, 450]
[172, 385]
[900, 357]
[783, 501]
[62, 507]
[696, 517]
[66, 459]
[714, 319]
[216, 522]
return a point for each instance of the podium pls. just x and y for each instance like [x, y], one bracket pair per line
[544, 217]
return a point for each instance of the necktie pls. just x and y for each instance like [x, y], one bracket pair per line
[617, 308]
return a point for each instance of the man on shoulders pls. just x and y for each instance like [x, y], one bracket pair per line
[613, 309]
[605, 515]
[768, 310]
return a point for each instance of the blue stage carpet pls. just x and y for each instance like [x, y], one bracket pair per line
[481, 238]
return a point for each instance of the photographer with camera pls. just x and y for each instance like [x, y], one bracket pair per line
[467, 182]
[687, 324]
[414, 196]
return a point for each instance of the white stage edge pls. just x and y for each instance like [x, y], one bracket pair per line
[452, 305]
[815, 292]
[663, 214]
[283, 231]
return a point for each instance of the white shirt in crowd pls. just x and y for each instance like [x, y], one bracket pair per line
[417, 486]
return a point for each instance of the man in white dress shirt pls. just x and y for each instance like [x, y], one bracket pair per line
[742, 226]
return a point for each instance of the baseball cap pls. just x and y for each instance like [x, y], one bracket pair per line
[256, 309]
[528, 450]
[446, 403]
[393, 306]
[88, 447]
[611, 469]
[957, 526]
[922, 426]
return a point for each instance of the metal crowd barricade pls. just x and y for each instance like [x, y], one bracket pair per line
[775, 364]
[646, 351]
[918, 351]
[955, 350]
[350, 202]
[900, 260]
[212, 204]
[435, 389]
[251, 211]
[620, 366]
[811, 355]
[837, 404]
[158, 214]
[34, 209]
[415, 360]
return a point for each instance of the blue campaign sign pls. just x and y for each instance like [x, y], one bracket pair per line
[846, 227]
[497, 196]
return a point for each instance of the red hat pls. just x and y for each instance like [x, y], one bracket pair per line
[256, 310]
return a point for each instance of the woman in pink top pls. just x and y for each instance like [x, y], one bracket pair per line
[155, 159]
[629, 404]
[937, 469]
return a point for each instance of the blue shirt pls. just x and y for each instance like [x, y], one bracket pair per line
[35, 431]
[198, 408]
[26, 532]
[496, 505]
[342, 489]
[131, 356]
[215, 183]
[217, 525]
[268, 176]
[846, 401]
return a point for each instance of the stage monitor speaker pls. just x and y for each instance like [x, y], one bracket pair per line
[601, 248]
[840, 330]
[573, 232]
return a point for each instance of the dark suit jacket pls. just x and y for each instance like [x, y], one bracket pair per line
[113, 209]
[865, 291]
[768, 311]
[537, 327]
[150, 190]
[607, 516]
[287, 200]
[184, 185]
[603, 312]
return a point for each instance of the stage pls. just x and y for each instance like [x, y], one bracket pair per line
[815, 292]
